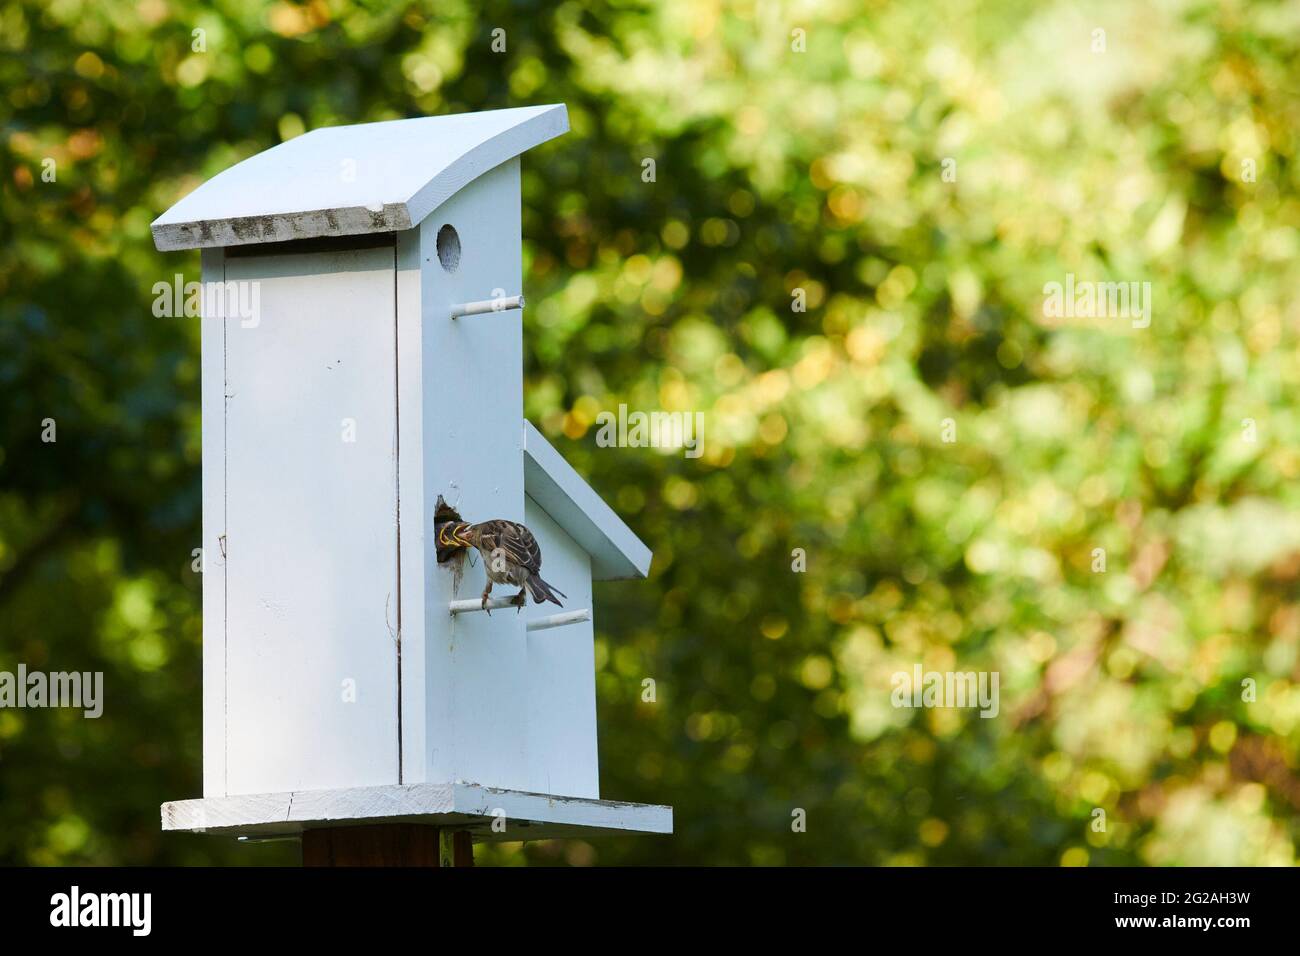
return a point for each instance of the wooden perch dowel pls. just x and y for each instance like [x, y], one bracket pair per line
[476, 604]
[487, 305]
[540, 624]
[559, 620]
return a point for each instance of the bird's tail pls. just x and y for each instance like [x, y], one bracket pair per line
[541, 591]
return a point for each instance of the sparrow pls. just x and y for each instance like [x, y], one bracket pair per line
[510, 553]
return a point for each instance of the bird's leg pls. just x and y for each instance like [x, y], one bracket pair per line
[486, 591]
[520, 600]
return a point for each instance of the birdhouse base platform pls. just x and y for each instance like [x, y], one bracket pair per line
[488, 814]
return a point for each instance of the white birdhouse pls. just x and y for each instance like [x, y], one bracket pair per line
[362, 356]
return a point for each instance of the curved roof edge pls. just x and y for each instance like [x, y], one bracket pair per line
[616, 552]
[353, 180]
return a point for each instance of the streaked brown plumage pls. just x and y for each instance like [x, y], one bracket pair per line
[510, 553]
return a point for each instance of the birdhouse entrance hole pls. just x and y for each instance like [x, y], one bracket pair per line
[449, 247]
[444, 514]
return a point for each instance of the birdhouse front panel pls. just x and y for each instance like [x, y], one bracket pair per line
[561, 671]
[308, 520]
[471, 673]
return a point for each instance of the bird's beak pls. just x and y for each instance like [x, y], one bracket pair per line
[452, 535]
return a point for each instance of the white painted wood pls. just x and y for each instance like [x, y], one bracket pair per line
[311, 524]
[471, 605]
[420, 707]
[531, 816]
[487, 305]
[561, 697]
[213, 404]
[350, 180]
[475, 666]
[527, 816]
[319, 552]
[560, 620]
[615, 551]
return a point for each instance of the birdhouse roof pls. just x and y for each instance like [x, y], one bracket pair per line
[353, 180]
[551, 481]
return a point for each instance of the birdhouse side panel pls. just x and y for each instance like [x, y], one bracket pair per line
[416, 560]
[311, 524]
[562, 751]
[213, 405]
[474, 675]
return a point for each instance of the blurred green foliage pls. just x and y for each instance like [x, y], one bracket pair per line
[776, 170]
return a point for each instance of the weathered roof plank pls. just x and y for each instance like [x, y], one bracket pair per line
[353, 180]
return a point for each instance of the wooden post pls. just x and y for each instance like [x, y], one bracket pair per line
[387, 844]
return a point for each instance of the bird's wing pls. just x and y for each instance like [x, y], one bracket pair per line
[514, 540]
